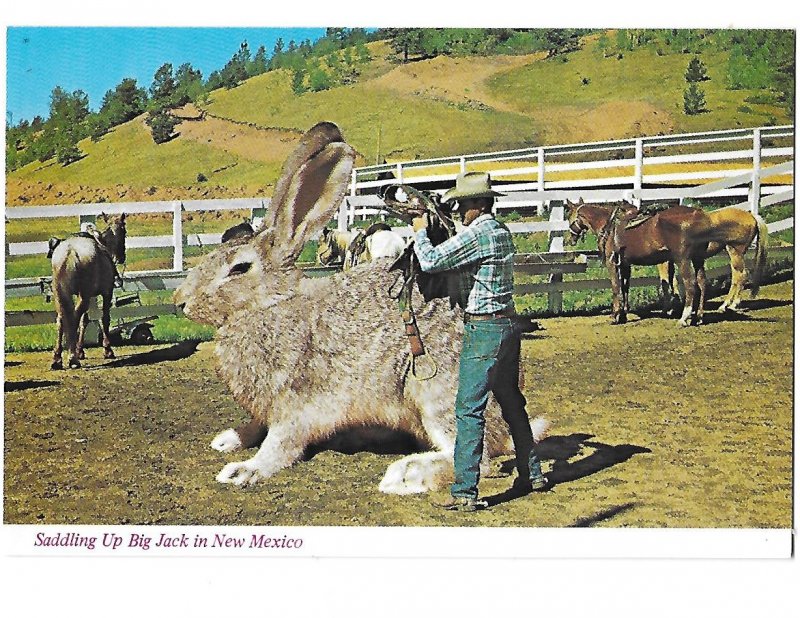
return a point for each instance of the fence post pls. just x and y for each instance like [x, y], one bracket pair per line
[555, 298]
[462, 163]
[399, 173]
[353, 175]
[341, 219]
[540, 180]
[637, 173]
[177, 236]
[755, 186]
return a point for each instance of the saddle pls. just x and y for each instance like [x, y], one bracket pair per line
[358, 245]
[407, 203]
[624, 218]
[645, 213]
[54, 241]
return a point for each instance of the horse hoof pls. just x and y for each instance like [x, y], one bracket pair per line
[74, 364]
[109, 354]
[57, 365]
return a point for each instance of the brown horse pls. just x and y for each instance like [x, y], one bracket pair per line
[741, 228]
[84, 266]
[679, 234]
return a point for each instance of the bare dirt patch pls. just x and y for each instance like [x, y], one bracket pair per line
[38, 193]
[609, 121]
[238, 138]
[654, 426]
[456, 80]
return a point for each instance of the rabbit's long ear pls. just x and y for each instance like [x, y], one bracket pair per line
[311, 187]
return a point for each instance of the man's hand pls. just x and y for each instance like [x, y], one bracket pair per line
[419, 223]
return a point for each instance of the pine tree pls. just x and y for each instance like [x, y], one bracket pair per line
[163, 88]
[696, 71]
[161, 126]
[298, 81]
[694, 100]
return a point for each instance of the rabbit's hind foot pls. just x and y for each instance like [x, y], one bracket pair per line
[227, 442]
[418, 473]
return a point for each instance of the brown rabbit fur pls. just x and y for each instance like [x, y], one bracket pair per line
[311, 357]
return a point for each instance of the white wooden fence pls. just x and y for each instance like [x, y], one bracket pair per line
[732, 164]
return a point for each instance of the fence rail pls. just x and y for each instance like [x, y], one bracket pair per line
[546, 190]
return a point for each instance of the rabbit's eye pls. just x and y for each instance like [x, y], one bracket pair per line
[240, 268]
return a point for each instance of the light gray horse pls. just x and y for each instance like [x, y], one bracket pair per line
[84, 265]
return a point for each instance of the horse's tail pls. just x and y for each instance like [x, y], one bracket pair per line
[62, 295]
[760, 262]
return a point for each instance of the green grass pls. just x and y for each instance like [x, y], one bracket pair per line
[642, 75]
[411, 126]
[128, 156]
[166, 328]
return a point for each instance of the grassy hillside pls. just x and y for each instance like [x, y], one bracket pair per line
[429, 108]
[555, 90]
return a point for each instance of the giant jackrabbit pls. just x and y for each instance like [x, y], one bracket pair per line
[310, 357]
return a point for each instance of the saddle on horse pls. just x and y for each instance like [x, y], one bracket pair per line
[624, 217]
[358, 245]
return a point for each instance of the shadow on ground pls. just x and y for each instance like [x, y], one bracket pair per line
[561, 449]
[24, 385]
[179, 351]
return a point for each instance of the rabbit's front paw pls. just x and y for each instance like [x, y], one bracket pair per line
[240, 473]
[227, 442]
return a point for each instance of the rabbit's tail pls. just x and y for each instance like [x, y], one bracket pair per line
[540, 427]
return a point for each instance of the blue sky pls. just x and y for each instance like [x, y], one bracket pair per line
[95, 60]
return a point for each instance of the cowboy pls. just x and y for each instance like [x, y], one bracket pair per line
[480, 261]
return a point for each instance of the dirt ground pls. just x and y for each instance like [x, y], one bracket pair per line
[653, 426]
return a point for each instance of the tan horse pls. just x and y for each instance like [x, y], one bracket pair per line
[84, 266]
[742, 228]
[332, 246]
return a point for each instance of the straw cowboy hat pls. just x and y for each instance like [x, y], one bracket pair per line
[470, 185]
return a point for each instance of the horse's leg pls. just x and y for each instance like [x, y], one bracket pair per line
[666, 275]
[625, 281]
[105, 324]
[617, 316]
[689, 285]
[738, 276]
[663, 286]
[82, 316]
[58, 362]
[700, 278]
[69, 328]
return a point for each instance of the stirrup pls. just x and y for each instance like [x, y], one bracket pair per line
[434, 370]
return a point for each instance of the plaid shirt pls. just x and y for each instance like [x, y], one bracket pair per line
[481, 257]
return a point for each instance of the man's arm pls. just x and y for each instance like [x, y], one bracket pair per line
[460, 250]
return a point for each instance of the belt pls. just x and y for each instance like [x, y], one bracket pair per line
[474, 317]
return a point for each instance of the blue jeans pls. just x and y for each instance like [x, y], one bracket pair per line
[489, 363]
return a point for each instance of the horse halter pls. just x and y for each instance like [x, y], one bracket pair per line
[328, 254]
[577, 228]
[115, 232]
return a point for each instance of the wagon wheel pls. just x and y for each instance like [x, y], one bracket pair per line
[114, 337]
[142, 335]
